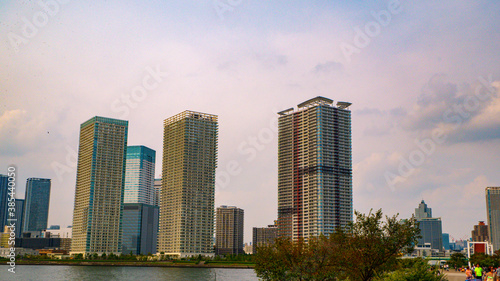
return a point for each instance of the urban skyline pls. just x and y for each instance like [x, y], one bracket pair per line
[145, 62]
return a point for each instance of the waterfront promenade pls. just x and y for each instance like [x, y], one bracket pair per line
[455, 276]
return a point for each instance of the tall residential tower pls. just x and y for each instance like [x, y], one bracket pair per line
[36, 204]
[100, 180]
[229, 231]
[314, 168]
[493, 214]
[188, 184]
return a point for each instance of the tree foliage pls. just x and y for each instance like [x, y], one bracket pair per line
[366, 248]
[457, 260]
[416, 269]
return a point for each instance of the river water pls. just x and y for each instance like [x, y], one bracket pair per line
[97, 273]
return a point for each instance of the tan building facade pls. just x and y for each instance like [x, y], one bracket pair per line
[188, 185]
[229, 231]
[100, 180]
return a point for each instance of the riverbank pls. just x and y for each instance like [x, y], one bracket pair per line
[138, 263]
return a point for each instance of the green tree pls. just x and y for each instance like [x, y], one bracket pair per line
[482, 259]
[371, 246]
[457, 260]
[416, 269]
[287, 260]
[365, 249]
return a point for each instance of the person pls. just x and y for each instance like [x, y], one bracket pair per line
[490, 275]
[468, 274]
[478, 272]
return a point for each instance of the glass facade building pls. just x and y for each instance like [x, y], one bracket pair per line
[430, 228]
[157, 192]
[229, 231]
[314, 168]
[36, 204]
[100, 181]
[4, 191]
[139, 175]
[19, 216]
[140, 228]
[493, 214]
[188, 184]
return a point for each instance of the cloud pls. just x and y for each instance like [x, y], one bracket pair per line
[21, 131]
[329, 67]
[467, 113]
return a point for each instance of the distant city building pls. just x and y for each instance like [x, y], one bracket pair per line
[19, 217]
[446, 241]
[493, 214]
[100, 180]
[43, 243]
[314, 168]
[139, 175]
[5, 252]
[54, 227]
[480, 232]
[36, 204]
[64, 232]
[140, 228]
[422, 211]
[264, 236]
[229, 231]
[188, 184]
[157, 192]
[430, 228]
[4, 191]
[248, 248]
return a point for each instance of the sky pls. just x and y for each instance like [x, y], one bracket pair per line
[423, 78]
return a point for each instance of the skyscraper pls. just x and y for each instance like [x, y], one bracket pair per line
[229, 231]
[430, 228]
[422, 211]
[36, 204]
[4, 191]
[493, 214]
[100, 180]
[157, 192]
[264, 236]
[19, 216]
[480, 232]
[139, 175]
[188, 184]
[140, 228]
[314, 168]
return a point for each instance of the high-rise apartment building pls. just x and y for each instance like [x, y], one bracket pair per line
[140, 228]
[314, 168]
[139, 175]
[430, 228]
[157, 192]
[480, 233]
[229, 231]
[19, 216]
[188, 184]
[264, 236]
[36, 204]
[100, 180]
[493, 214]
[4, 191]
